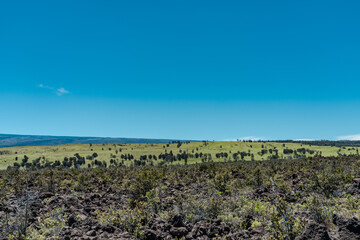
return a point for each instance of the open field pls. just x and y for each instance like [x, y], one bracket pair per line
[193, 152]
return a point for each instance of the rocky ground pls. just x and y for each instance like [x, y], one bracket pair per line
[92, 205]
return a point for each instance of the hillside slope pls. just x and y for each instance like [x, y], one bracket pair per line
[12, 140]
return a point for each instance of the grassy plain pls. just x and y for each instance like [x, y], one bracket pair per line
[114, 151]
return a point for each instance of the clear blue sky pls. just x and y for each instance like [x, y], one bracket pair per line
[181, 69]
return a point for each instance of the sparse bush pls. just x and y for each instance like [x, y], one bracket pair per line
[49, 226]
[319, 209]
[127, 219]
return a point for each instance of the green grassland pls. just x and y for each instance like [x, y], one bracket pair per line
[106, 152]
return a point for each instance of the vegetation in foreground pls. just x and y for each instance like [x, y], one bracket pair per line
[313, 198]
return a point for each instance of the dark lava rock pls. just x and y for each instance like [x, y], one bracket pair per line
[261, 192]
[178, 231]
[314, 231]
[290, 198]
[217, 221]
[239, 235]
[76, 233]
[247, 221]
[354, 188]
[108, 229]
[199, 229]
[152, 234]
[71, 220]
[255, 233]
[88, 209]
[91, 233]
[356, 180]
[178, 221]
[158, 224]
[94, 196]
[349, 228]
[10, 209]
[353, 225]
[203, 229]
[45, 195]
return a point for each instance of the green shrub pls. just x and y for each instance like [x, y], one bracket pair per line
[127, 219]
[49, 226]
[221, 182]
[319, 210]
[143, 182]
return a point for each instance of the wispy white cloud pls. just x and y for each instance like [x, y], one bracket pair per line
[46, 87]
[349, 137]
[61, 91]
[57, 91]
[253, 138]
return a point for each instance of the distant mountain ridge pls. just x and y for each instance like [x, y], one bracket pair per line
[12, 140]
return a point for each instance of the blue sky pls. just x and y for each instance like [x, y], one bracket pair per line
[181, 69]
